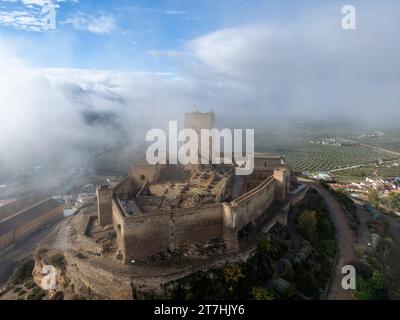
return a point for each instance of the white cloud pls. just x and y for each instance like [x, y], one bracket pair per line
[308, 67]
[230, 51]
[153, 10]
[174, 12]
[36, 2]
[166, 53]
[21, 20]
[102, 24]
[48, 119]
[27, 14]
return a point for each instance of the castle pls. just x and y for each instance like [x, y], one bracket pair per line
[163, 207]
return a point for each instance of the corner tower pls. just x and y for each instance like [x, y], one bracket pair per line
[104, 206]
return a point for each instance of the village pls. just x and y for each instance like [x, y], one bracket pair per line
[377, 192]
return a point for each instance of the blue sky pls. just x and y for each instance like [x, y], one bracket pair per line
[120, 34]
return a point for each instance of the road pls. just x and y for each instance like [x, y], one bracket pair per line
[62, 239]
[361, 165]
[366, 163]
[345, 239]
[371, 146]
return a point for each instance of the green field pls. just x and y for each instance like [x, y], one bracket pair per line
[305, 156]
[293, 141]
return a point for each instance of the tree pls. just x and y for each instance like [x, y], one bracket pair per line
[308, 223]
[371, 289]
[393, 200]
[232, 276]
[373, 196]
[262, 294]
[265, 247]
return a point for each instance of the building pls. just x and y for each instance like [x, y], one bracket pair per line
[198, 121]
[164, 207]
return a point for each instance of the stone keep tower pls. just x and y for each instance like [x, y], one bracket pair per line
[104, 206]
[201, 120]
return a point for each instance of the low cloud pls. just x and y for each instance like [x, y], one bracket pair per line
[68, 115]
[309, 68]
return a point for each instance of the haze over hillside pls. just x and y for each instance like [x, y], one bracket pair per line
[246, 68]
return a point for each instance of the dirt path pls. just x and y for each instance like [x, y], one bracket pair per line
[62, 239]
[345, 247]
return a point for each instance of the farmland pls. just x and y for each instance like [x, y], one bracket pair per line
[387, 170]
[305, 156]
[293, 141]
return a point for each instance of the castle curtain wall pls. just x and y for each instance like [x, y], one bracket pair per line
[249, 207]
[149, 234]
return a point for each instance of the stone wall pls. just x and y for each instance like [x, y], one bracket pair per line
[82, 239]
[144, 201]
[141, 235]
[267, 163]
[281, 176]
[89, 245]
[92, 279]
[200, 120]
[145, 235]
[104, 211]
[142, 173]
[89, 278]
[119, 226]
[248, 207]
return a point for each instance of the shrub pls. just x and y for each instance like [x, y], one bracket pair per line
[371, 289]
[39, 253]
[23, 272]
[37, 294]
[262, 294]
[57, 260]
[17, 289]
[30, 284]
[308, 223]
[21, 293]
